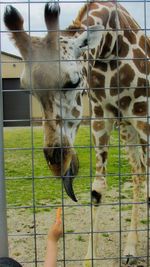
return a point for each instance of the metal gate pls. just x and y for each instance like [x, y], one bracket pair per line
[30, 193]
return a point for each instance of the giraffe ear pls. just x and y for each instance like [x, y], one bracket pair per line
[89, 39]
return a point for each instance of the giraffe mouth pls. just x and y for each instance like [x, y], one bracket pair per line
[68, 181]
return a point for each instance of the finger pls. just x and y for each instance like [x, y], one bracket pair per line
[58, 215]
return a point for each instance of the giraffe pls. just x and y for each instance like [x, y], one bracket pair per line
[118, 78]
[105, 51]
[52, 74]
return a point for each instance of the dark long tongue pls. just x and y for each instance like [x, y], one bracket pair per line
[68, 182]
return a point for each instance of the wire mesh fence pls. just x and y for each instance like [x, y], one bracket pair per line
[82, 86]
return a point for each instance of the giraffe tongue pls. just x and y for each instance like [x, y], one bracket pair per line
[68, 181]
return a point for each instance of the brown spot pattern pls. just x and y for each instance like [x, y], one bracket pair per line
[114, 64]
[107, 45]
[124, 136]
[75, 112]
[141, 63]
[144, 43]
[127, 22]
[123, 21]
[78, 99]
[93, 99]
[144, 126]
[140, 108]
[97, 79]
[125, 75]
[112, 21]
[97, 82]
[104, 139]
[103, 14]
[114, 91]
[124, 10]
[124, 102]
[113, 110]
[99, 93]
[120, 48]
[142, 89]
[131, 37]
[98, 111]
[98, 125]
[123, 47]
[129, 26]
[89, 21]
[104, 156]
[101, 65]
[133, 24]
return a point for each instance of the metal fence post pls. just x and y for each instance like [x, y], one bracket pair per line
[3, 216]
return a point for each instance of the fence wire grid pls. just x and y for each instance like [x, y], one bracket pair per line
[30, 192]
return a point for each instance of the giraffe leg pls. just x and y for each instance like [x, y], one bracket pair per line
[101, 141]
[131, 136]
[143, 128]
[92, 245]
[130, 252]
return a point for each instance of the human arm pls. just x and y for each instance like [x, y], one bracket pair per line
[54, 234]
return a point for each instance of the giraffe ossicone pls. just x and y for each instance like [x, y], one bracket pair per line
[105, 52]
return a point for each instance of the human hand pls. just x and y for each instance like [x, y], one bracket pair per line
[56, 231]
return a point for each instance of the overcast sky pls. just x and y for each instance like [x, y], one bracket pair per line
[69, 11]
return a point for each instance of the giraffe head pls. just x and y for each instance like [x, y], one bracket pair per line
[53, 74]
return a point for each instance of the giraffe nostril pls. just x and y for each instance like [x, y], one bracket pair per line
[54, 155]
[48, 154]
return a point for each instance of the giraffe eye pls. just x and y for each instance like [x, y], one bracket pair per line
[85, 43]
[70, 85]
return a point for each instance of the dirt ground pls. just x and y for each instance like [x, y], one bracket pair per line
[77, 222]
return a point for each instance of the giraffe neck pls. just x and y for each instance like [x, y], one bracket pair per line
[118, 25]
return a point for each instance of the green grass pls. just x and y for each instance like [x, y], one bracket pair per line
[144, 221]
[80, 238]
[20, 159]
[126, 207]
[105, 235]
[70, 231]
[128, 220]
